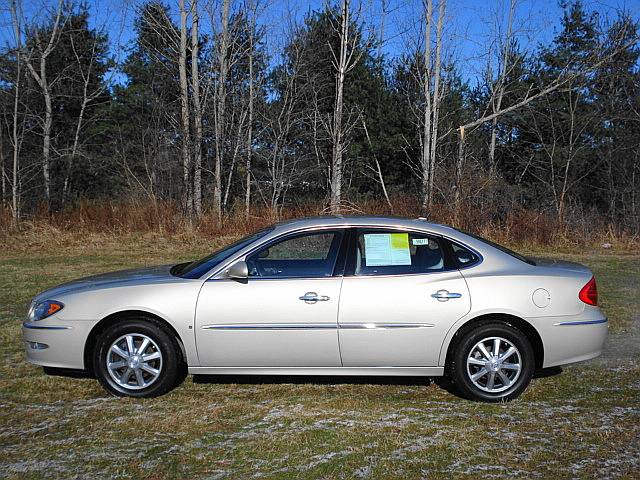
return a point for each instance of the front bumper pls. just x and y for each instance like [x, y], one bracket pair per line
[571, 339]
[51, 343]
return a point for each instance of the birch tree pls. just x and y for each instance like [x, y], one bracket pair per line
[432, 99]
[249, 148]
[344, 60]
[44, 47]
[16, 137]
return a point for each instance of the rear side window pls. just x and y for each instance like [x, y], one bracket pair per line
[310, 255]
[381, 252]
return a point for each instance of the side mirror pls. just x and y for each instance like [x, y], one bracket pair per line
[239, 271]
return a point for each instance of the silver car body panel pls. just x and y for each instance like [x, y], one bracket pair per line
[390, 324]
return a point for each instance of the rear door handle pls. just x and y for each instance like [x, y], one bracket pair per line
[313, 297]
[445, 295]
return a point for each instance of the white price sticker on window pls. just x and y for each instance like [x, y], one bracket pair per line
[420, 241]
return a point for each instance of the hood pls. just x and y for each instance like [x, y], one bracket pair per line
[139, 276]
[561, 264]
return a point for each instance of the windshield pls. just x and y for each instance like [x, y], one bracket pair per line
[200, 267]
[501, 248]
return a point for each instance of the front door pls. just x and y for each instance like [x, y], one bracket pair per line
[285, 315]
[399, 300]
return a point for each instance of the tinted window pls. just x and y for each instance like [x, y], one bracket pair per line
[200, 267]
[308, 255]
[463, 256]
[380, 252]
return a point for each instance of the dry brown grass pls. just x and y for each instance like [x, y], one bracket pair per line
[107, 223]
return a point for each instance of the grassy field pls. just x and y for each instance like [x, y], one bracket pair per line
[583, 422]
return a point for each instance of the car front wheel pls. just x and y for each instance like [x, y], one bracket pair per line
[137, 358]
[493, 362]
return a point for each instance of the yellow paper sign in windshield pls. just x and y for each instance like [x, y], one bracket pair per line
[400, 241]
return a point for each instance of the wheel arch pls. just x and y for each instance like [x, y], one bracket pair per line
[521, 324]
[116, 317]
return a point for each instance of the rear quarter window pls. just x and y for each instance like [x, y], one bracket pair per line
[463, 256]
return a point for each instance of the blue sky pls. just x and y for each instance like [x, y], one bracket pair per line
[468, 30]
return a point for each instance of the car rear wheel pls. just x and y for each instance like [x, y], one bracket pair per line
[493, 362]
[138, 358]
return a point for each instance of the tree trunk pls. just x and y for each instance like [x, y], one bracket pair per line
[2, 169]
[426, 132]
[336, 157]
[197, 110]
[459, 167]
[220, 112]
[184, 111]
[46, 143]
[15, 201]
[437, 97]
[41, 79]
[247, 192]
[74, 148]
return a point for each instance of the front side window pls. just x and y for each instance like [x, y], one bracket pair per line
[380, 252]
[199, 267]
[310, 255]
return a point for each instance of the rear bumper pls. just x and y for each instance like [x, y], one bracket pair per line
[50, 343]
[572, 339]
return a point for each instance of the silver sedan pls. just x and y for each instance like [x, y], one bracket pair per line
[327, 296]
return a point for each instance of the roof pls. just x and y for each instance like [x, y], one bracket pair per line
[362, 220]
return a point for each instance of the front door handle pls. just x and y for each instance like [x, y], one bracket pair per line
[313, 297]
[445, 295]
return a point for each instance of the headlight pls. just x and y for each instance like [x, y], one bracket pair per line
[45, 309]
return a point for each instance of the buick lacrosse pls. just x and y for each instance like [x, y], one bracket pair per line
[327, 296]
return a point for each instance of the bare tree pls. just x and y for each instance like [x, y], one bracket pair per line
[16, 138]
[184, 111]
[44, 48]
[3, 173]
[249, 150]
[197, 109]
[343, 61]
[88, 96]
[499, 87]
[220, 104]
[433, 93]
[283, 168]
[562, 82]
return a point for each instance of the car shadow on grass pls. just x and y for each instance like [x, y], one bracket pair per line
[339, 380]
[311, 379]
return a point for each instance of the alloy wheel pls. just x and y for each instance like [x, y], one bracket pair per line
[494, 364]
[134, 361]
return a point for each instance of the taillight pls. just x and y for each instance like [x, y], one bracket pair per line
[589, 293]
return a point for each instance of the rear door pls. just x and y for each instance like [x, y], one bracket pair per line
[400, 296]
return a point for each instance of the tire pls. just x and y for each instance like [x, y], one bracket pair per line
[145, 374]
[511, 370]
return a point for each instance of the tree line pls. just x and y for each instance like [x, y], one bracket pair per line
[203, 109]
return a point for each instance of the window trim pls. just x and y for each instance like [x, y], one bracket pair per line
[337, 229]
[449, 263]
